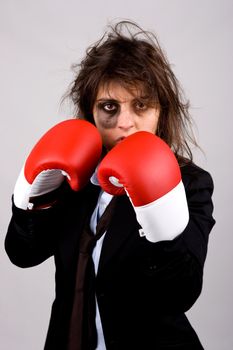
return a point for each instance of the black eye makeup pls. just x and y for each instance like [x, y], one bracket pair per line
[140, 105]
[107, 113]
[107, 110]
[109, 106]
[144, 103]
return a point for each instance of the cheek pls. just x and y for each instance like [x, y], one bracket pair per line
[154, 121]
[150, 124]
[108, 137]
[156, 125]
[105, 121]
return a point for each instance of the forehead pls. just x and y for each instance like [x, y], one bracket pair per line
[119, 91]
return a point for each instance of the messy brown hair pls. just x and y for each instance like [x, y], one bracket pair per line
[134, 58]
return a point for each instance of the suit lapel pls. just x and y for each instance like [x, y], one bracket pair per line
[80, 209]
[123, 223]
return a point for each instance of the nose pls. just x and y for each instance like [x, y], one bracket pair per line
[126, 119]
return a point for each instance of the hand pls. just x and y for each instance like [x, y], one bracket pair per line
[70, 150]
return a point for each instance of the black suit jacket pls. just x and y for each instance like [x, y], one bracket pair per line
[143, 288]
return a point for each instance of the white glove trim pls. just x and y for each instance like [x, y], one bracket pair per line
[166, 217]
[46, 181]
[22, 191]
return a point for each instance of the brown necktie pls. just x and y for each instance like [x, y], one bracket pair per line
[82, 332]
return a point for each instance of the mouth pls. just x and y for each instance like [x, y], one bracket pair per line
[119, 139]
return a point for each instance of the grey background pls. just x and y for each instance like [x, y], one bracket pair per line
[39, 42]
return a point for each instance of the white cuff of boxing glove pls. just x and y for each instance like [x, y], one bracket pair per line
[45, 182]
[166, 217]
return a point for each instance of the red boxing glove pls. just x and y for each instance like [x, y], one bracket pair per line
[70, 149]
[144, 166]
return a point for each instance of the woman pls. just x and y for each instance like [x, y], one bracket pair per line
[150, 252]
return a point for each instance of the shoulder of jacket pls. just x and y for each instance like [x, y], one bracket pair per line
[195, 176]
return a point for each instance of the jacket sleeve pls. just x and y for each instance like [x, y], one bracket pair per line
[174, 269]
[199, 189]
[32, 235]
[35, 235]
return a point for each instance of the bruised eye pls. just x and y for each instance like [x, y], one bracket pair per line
[141, 106]
[108, 107]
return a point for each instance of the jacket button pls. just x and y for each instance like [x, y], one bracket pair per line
[152, 267]
[112, 344]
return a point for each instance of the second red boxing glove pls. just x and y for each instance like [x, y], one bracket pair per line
[144, 166]
[70, 149]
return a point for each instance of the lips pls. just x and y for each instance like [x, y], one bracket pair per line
[119, 139]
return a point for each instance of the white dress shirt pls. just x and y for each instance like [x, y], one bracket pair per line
[103, 201]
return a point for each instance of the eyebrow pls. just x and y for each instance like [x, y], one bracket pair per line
[102, 99]
[106, 99]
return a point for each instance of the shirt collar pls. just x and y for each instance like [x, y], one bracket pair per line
[94, 178]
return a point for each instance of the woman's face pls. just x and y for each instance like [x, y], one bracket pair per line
[119, 113]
